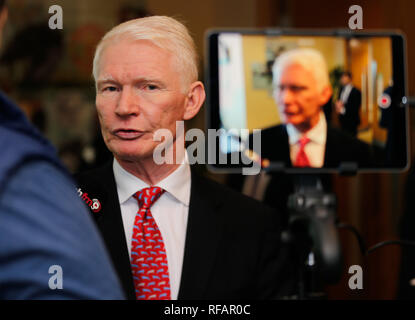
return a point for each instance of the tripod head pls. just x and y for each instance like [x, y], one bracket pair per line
[312, 229]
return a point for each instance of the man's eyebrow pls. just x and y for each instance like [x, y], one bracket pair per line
[296, 86]
[106, 78]
[104, 81]
[147, 79]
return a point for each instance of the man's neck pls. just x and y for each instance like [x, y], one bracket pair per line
[305, 127]
[149, 171]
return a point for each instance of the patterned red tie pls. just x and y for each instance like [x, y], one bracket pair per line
[148, 254]
[302, 159]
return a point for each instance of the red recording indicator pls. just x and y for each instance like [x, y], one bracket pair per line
[384, 101]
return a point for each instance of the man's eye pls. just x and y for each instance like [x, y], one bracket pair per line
[152, 87]
[279, 89]
[109, 89]
[292, 88]
[297, 88]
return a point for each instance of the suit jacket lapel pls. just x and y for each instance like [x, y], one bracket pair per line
[330, 151]
[110, 223]
[286, 150]
[204, 228]
[276, 146]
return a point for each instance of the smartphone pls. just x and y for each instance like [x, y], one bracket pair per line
[256, 113]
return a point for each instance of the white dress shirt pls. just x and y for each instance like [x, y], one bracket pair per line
[170, 212]
[345, 96]
[346, 92]
[315, 148]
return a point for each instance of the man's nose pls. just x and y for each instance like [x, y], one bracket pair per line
[285, 97]
[128, 104]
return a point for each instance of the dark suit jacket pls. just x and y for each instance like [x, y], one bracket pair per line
[351, 118]
[339, 148]
[232, 248]
[407, 225]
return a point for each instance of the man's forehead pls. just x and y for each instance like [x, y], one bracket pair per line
[294, 67]
[150, 60]
[130, 41]
[132, 65]
[294, 73]
[106, 77]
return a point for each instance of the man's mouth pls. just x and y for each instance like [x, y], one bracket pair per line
[127, 134]
[290, 114]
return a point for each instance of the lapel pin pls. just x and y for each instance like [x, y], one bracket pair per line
[93, 204]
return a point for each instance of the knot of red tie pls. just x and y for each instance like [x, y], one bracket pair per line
[302, 159]
[303, 141]
[147, 196]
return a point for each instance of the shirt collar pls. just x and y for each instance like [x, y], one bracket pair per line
[348, 86]
[317, 134]
[176, 184]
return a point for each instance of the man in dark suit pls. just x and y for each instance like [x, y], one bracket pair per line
[339, 148]
[348, 105]
[305, 139]
[171, 233]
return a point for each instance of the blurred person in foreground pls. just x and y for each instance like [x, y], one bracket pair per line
[49, 247]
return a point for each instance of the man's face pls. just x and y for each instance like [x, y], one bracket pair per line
[298, 98]
[139, 90]
[345, 80]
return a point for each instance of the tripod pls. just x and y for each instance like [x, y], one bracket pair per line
[312, 234]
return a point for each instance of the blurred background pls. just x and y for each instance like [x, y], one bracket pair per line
[48, 73]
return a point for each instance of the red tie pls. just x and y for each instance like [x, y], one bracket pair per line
[302, 159]
[148, 254]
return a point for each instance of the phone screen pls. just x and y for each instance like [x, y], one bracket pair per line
[324, 101]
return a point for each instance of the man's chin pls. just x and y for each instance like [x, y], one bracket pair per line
[294, 121]
[132, 155]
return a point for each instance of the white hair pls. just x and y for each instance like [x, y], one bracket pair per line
[310, 59]
[164, 32]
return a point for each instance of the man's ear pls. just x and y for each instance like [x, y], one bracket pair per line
[3, 17]
[4, 14]
[326, 94]
[194, 100]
